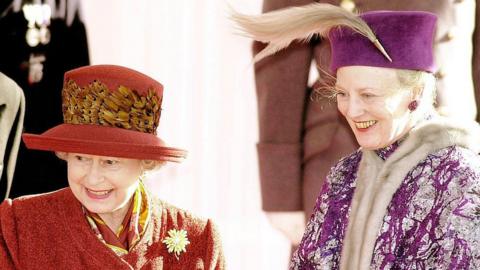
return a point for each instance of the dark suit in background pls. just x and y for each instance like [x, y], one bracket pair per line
[39, 171]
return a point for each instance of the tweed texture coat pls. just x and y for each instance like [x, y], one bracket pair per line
[50, 231]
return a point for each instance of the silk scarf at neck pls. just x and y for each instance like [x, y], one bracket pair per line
[132, 227]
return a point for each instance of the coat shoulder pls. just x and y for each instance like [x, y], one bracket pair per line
[456, 161]
[346, 166]
[456, 170]
[35, 206]
[176, 217]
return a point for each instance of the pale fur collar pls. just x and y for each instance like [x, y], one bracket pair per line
[378, 180]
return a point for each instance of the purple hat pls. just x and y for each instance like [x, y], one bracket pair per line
[407, 37]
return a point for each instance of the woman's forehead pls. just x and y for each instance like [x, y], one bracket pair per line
[96, 156]
[365, 77]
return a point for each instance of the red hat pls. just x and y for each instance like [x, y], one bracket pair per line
[108, 111]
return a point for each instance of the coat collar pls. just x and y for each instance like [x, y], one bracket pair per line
[85, 239]
[386, 152]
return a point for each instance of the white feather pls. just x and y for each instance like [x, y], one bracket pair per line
[279, 28]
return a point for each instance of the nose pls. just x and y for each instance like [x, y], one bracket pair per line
[355, 108]
[94, 175]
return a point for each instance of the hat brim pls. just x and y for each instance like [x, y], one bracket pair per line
[103, 141]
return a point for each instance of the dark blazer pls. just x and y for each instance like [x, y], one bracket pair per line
[39, 171]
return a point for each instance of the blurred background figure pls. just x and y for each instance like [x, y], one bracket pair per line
[12, 111]
[40, 41]
[301, 138]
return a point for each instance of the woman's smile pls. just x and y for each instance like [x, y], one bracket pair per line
[98, 194]
[104, 185]
[365, 125]
[374, 103]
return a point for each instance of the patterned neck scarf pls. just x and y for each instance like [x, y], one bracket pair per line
[132, 227]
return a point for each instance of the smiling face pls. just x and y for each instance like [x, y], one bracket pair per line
[374, 104]
[104, 185]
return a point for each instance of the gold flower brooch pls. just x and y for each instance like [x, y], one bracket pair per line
[176, 242]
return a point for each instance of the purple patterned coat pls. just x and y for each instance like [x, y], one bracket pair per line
[431, 220]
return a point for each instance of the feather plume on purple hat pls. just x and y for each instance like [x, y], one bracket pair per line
[392, 39]
[407, 36]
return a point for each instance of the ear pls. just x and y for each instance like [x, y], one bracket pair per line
[417, 92]
[150, 165]
[62, 155]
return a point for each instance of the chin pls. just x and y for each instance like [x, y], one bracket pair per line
[369, 147]
[375, 146]
[366, 144]
[99, 209]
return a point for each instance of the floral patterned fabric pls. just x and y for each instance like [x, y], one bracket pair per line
[132, 228]
[432, 221]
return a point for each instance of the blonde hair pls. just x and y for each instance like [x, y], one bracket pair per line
[324, 86]
[151, 165]
[419, 81]
[422, 84]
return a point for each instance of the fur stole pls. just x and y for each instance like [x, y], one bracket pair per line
[378, 180]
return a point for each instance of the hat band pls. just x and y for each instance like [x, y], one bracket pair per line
[124, 108]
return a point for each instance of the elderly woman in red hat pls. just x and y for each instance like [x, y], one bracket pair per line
[409, 198]
[106, 219]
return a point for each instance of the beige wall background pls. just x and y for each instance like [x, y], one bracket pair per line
[209, 108]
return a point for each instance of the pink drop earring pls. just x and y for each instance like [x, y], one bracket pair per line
[412, 106]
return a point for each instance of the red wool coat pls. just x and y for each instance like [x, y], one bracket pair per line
[49, 231]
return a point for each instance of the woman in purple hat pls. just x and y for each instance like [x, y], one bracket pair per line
[409, 198]
[106, 218]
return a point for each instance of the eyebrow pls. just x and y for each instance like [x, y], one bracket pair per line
[360, 89]
[339, 87]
